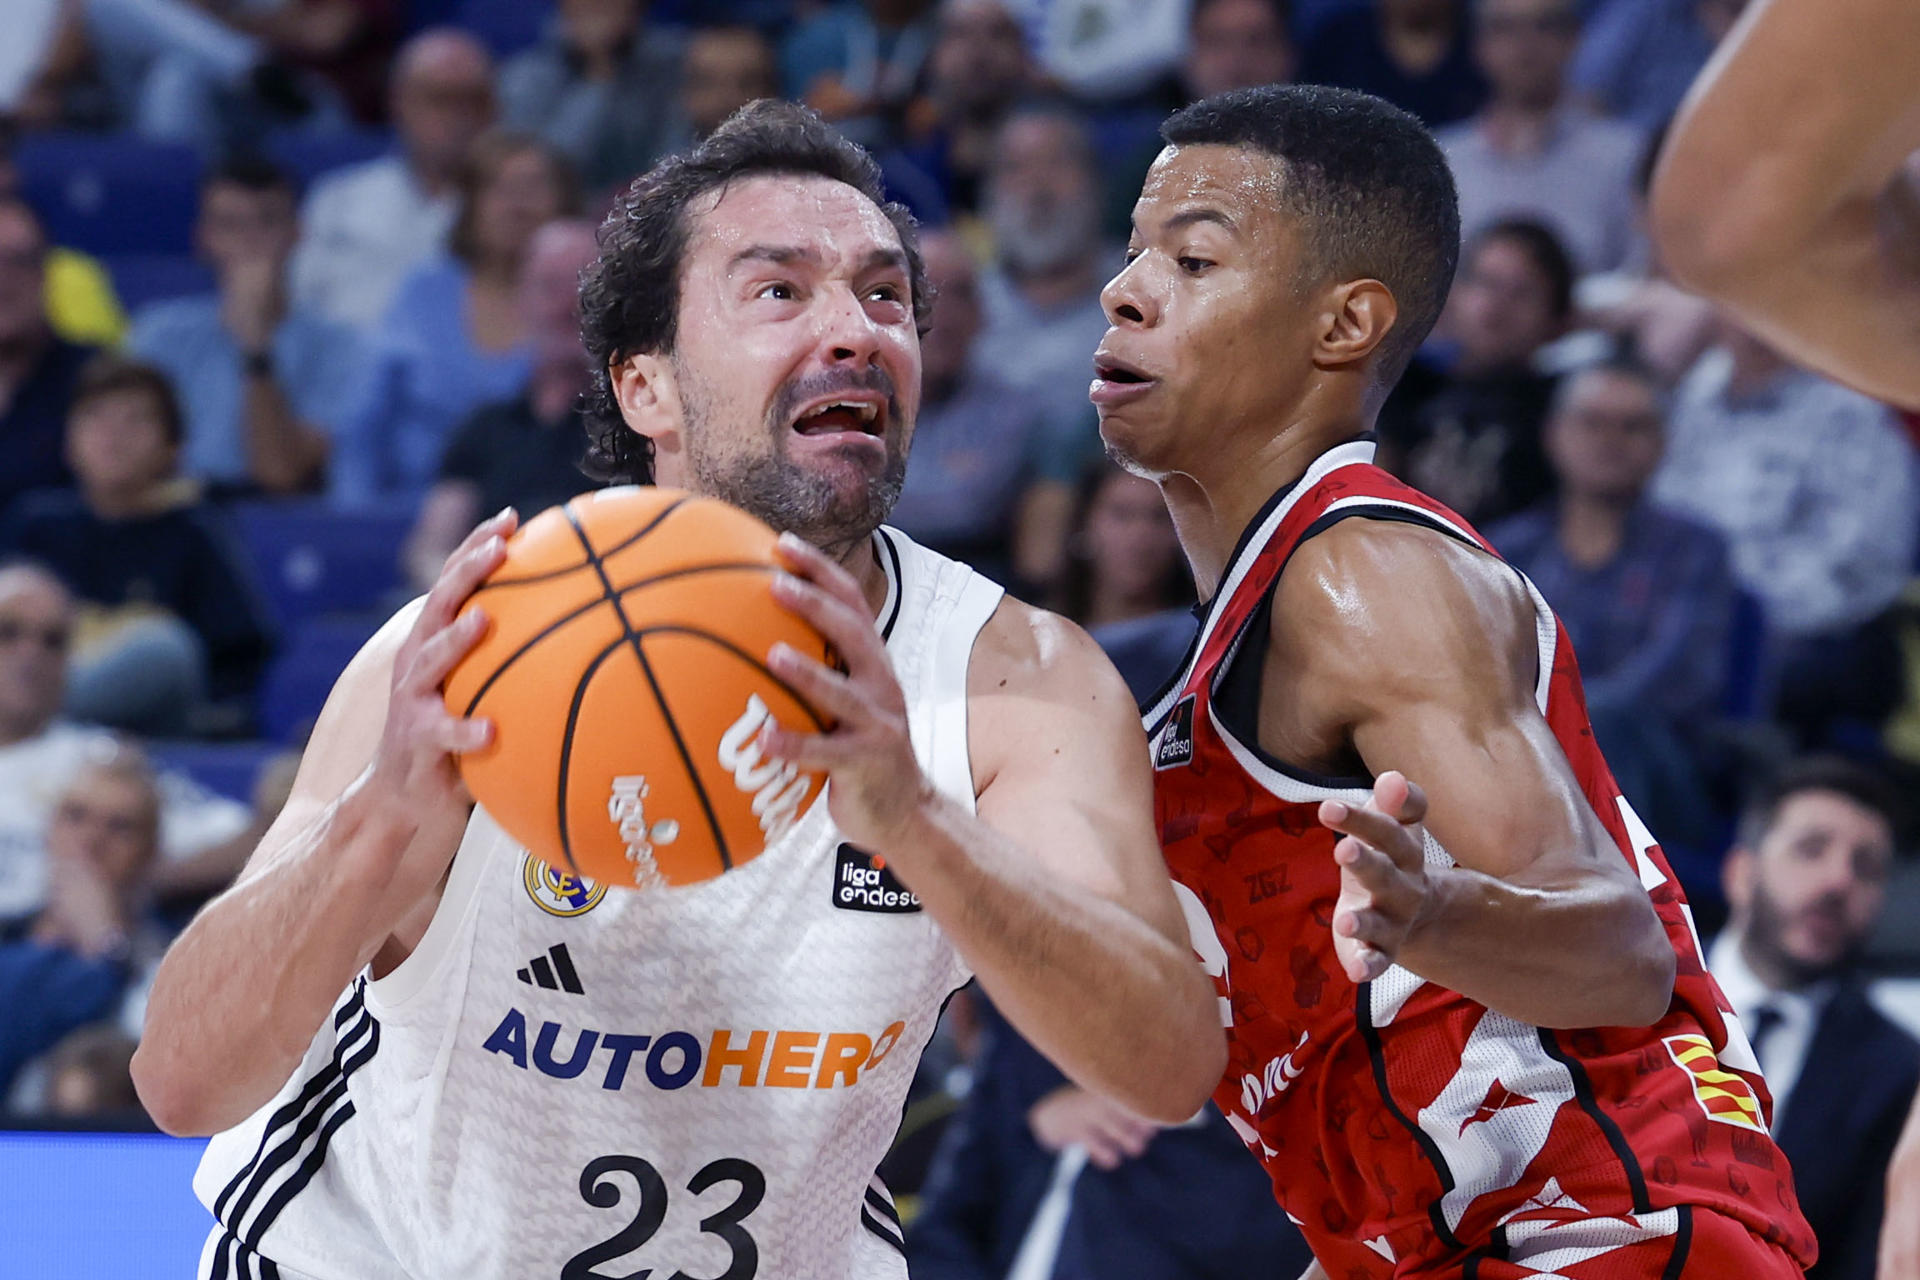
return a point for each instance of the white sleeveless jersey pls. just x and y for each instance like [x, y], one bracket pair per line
[566, 1082]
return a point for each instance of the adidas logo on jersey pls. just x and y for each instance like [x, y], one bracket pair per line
[1174, 746]
[553, 972]
[861, 882]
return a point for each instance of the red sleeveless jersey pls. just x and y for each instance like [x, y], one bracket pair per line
[1407, 1129]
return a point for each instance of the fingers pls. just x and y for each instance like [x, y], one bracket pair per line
[848, 627]
[812, 752]
[1398, 798]
[1360, 961]
[441, 652]
[827, 691]
[1398, 840]
[807, 561]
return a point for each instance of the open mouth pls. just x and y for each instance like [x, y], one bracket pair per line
[1108, 369]
[859, 416]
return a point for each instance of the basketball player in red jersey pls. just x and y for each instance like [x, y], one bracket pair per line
[1789, 188]
[1485, 1047]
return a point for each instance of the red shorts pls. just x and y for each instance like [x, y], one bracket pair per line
[1705, 1246]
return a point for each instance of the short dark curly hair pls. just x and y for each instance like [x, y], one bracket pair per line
[630, 296]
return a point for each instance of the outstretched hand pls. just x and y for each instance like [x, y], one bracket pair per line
[1384, 889]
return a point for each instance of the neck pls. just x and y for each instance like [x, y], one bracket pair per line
[860, 561]
[1519, 127]
[1767, 967]
[1592, 528]
[1212, 506]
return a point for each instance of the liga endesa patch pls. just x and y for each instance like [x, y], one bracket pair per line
[862, 882]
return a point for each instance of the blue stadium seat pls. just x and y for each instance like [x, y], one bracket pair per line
[505, 26]
[306, 155]
[1749, 677]
[224, 768]
[302, 673]
[140, 278]
[311, 560]
[110, 193]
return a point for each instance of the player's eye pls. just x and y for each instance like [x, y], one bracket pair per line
[886, 293]
[779, 291]
[1193, 266]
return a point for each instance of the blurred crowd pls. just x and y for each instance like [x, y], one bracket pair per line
[287, 303]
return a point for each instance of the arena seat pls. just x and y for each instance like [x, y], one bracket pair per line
[141, 278]
[224, 768]
[311, 559]
[111, 193]
[306, 155]
[506, 26]
[310, 659]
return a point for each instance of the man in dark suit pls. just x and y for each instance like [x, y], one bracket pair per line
[1806, 883]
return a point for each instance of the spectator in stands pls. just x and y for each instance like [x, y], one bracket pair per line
[1471, 436]
[81, 305]
[1646, 596]
[37, 368]
[858, 63]
[1236, 44]
[90, 1077]
[723, 69]
[172, 638]
[524, 452]
[1637, 57]
[1125, 580]
[260, 379]
[1038, 1179]
[600, 86]
[975, 441]
[1530, 153]
[204, 837]
[74, 962]
[1417, 54]
[348, 44]
[977, 73]
[364, 228]
[1106, 53]
[454, 338]
[1814, 488]
[1639, 304]
[1041, 296]
[1807, 881]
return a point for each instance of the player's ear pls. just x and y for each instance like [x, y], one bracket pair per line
[649, 397]
[1356, 318]
[1736, 877]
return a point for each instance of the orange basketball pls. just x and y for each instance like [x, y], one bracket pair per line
[625, 675]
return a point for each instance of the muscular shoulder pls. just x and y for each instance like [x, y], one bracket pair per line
[1371, 608]
[1036, 678]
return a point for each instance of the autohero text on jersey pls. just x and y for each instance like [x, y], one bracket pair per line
[782, 1059]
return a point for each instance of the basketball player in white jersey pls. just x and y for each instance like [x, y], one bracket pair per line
[424, 1053]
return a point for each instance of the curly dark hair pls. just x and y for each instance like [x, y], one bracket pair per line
[630, 296]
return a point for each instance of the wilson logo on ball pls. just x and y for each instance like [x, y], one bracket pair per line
[775, 785]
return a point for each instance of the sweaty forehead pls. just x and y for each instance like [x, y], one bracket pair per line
[1248, 186]
[816, 216]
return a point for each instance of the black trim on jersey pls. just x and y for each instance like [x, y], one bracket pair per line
[884, 1207]
[878, 1228]
[614, 550]
[899, 586]
[330, 1108]
[323, 1080]
[1376, 1053]
[1682, 1244]
[1583, 1094]
[234, 1259]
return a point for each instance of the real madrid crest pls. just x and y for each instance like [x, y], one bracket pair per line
[557, 892]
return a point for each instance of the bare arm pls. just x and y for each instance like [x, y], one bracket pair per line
[374, 819]
[1421, 653]
[1784, 193]
[1900, 1224]
[1055, 893]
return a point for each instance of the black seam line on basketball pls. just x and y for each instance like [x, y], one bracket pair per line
[293, 1186]
[289, 1112]
[724, 566]
[1377, 1054]
[873, 1224]
[614, 550]
[659, 695]
[566, 746]
[1682, 1244]
[1583, 1095]
[677, 629]
[289, 1148]
[880, 1205]
[899, 587]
